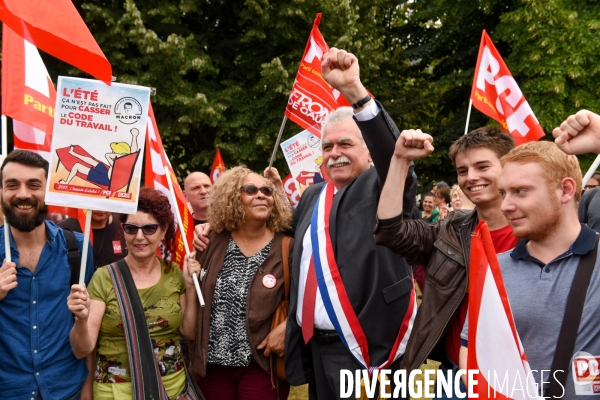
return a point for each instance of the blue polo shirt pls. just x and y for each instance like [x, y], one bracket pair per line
[35, 324]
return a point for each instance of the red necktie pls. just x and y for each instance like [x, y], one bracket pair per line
[308, 304]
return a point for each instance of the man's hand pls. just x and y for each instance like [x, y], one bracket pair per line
[8, 278]
[579, 133]
[413, 144]
[275, 341]
[201, 237]
[340, 69]
[134, 132]
[78, 302]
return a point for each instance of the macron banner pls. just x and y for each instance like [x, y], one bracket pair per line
[97, 145]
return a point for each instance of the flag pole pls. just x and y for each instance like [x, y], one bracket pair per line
[4, 137]
[182, 233]
[591, 171]
[7, 241]
[86, 245]
[277, 141]
[468, 116]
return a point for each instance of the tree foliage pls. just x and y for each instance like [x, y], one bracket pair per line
[223, 69]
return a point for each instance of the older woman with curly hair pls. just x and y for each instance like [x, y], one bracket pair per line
[163, 292]
[243, 284]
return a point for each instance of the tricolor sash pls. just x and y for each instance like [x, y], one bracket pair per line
[336, 301]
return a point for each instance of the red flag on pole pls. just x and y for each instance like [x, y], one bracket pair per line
[496, 94]
[312, 98]
[218, 167]
[494, 345]
[157, 166]
[57, 28]
[28, 94]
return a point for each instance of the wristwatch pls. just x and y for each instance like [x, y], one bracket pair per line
[361, 102]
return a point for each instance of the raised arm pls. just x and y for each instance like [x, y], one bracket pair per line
[412, 239]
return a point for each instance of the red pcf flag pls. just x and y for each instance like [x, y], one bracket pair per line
[57, 28]
[312, 98]
[496, 94]
[157, 166]
[28, 94]
[218, 167]
[494, 345]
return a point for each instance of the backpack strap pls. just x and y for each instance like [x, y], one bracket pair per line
[570, 323]
[73, 254]
[285, 255]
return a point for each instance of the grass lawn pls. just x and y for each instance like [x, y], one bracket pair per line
[299, 393]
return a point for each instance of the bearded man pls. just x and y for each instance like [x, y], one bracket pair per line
[34, 319]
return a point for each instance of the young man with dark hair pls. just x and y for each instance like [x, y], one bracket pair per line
[34, 319]
[444, 246]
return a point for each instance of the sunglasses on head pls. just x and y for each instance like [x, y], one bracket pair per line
[132, 229]
[252, 190]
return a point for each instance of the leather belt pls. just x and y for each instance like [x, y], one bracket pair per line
[323, 336]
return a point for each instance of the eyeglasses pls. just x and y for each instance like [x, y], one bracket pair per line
[591, 187]
[252, 190]
[132, 229]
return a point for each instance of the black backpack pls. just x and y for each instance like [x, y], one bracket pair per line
[73, 254]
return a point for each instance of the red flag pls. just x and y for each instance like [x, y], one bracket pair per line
[494, 345]
[312, 98]
[157, 166]
[218, 167]
[28, 94]
[291, 189]
[496, 94]
[57, 28]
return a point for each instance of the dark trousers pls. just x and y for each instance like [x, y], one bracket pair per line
[328, 359]
[240, 383]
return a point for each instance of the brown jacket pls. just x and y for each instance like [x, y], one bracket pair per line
[444, 247]
[261, 302]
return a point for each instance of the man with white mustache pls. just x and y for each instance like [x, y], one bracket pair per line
[333, 232]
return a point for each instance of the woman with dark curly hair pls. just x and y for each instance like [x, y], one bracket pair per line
[163, 293]
[243, 284]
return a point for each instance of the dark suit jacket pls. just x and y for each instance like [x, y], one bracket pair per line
[377, 281]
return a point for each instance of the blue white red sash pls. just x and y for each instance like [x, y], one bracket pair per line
[336, 301]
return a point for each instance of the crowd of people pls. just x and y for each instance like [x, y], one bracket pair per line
[341, 267]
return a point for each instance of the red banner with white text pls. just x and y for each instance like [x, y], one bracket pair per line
[496, 94]
[312, 98]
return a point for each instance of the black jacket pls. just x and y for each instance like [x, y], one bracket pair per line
[377, 281]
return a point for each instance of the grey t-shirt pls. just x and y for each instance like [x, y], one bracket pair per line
[538, 295]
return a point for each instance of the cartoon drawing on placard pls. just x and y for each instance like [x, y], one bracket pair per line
[114, 175]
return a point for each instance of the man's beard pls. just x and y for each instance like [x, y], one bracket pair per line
[25, 223]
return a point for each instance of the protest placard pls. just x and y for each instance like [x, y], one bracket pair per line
[98, 145]
[305, 158]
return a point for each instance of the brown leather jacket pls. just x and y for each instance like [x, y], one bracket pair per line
[261, 301]
[444, 247]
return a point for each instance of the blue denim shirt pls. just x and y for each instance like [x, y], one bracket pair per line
[35, 324]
